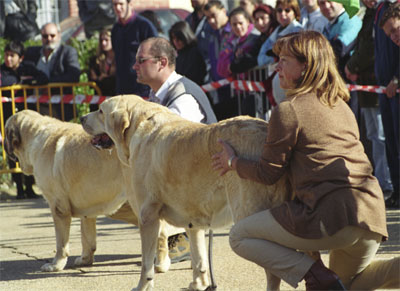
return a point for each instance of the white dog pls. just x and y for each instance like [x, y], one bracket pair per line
[77, 180]
[170, 176]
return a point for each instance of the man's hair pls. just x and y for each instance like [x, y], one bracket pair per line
[182, 31]
[161, 47]
[392, 12]
[214, 3]
[15, 47]
[321, 75]
[58, 27]
[237, 11]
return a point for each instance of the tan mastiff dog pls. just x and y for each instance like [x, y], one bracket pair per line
[170, 176]
[76, 179]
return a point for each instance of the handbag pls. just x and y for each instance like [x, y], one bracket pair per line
[20, 27]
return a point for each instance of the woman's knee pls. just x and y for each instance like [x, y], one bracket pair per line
[234, 237]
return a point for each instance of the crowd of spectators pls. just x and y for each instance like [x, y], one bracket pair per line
[213, 43]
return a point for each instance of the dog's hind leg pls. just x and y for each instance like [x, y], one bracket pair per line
[163, 262]
[62, 223]
[198, 252]
[273, 282]
[88, 238]
[149, 224]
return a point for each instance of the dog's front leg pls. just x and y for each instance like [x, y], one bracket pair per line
[198, 253]
[62, 223]
[88, 238]
[149, 224]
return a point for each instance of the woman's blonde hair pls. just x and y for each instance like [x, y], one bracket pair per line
[321, 75]
[101, 55]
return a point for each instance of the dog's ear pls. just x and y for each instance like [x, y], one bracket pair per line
[120, 122]
[13, 139]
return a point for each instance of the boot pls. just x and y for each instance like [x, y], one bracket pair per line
[29, 180]
[320, 277]
[17, 178]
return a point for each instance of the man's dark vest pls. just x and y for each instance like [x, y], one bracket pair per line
[186, 86]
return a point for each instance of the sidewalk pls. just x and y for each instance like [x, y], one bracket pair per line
[27, 241]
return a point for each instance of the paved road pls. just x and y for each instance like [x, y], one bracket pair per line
[27, 241]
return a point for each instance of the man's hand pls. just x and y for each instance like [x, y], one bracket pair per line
[391, 88]
[349, 75]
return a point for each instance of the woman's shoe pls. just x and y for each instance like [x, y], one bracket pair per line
[320, 277]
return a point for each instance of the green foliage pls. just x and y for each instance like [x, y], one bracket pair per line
[86, 49]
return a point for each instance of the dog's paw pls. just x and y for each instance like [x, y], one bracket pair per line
[162, 268]
[51, 267]
[147, 287]
[197, 287]
[163, 262]
[83, 261]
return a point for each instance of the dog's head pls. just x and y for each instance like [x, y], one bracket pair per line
[15, 141]
[116, 121]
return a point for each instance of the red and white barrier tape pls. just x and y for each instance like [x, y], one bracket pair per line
[56, 99]
[241, 85]
[217, 84]
[245, 85]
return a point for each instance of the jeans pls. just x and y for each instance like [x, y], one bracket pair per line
[375, 133]
[389, 108]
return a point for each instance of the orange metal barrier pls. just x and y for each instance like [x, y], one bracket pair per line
[43, 99]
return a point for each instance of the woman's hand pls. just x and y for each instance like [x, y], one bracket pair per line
[220, 160]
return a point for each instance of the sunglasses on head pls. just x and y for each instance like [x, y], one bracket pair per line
[44, 35]
[287, 10]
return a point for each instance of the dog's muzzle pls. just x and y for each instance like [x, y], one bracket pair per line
[102, 141]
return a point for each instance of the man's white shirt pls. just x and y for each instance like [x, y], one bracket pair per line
[185, 105]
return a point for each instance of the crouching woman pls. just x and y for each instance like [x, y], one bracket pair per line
[313, 137]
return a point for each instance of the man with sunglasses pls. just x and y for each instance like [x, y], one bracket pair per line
[58, 61]
[155, 67]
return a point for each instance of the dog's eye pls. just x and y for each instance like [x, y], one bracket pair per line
[101, 111]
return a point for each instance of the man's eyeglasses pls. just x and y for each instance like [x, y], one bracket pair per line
[44, 35]
[287, 10]
[142, 60]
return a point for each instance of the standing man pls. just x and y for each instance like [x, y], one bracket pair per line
[198, 22]
[155, 66]
[360, 69]
[390, 23]
[341, 31]
[311, 16]
[58, 61]
[387, 74]
[216, 15]
[127, 33]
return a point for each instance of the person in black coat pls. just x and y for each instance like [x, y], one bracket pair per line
[14, 71]
[58, 61]
[189, 62]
